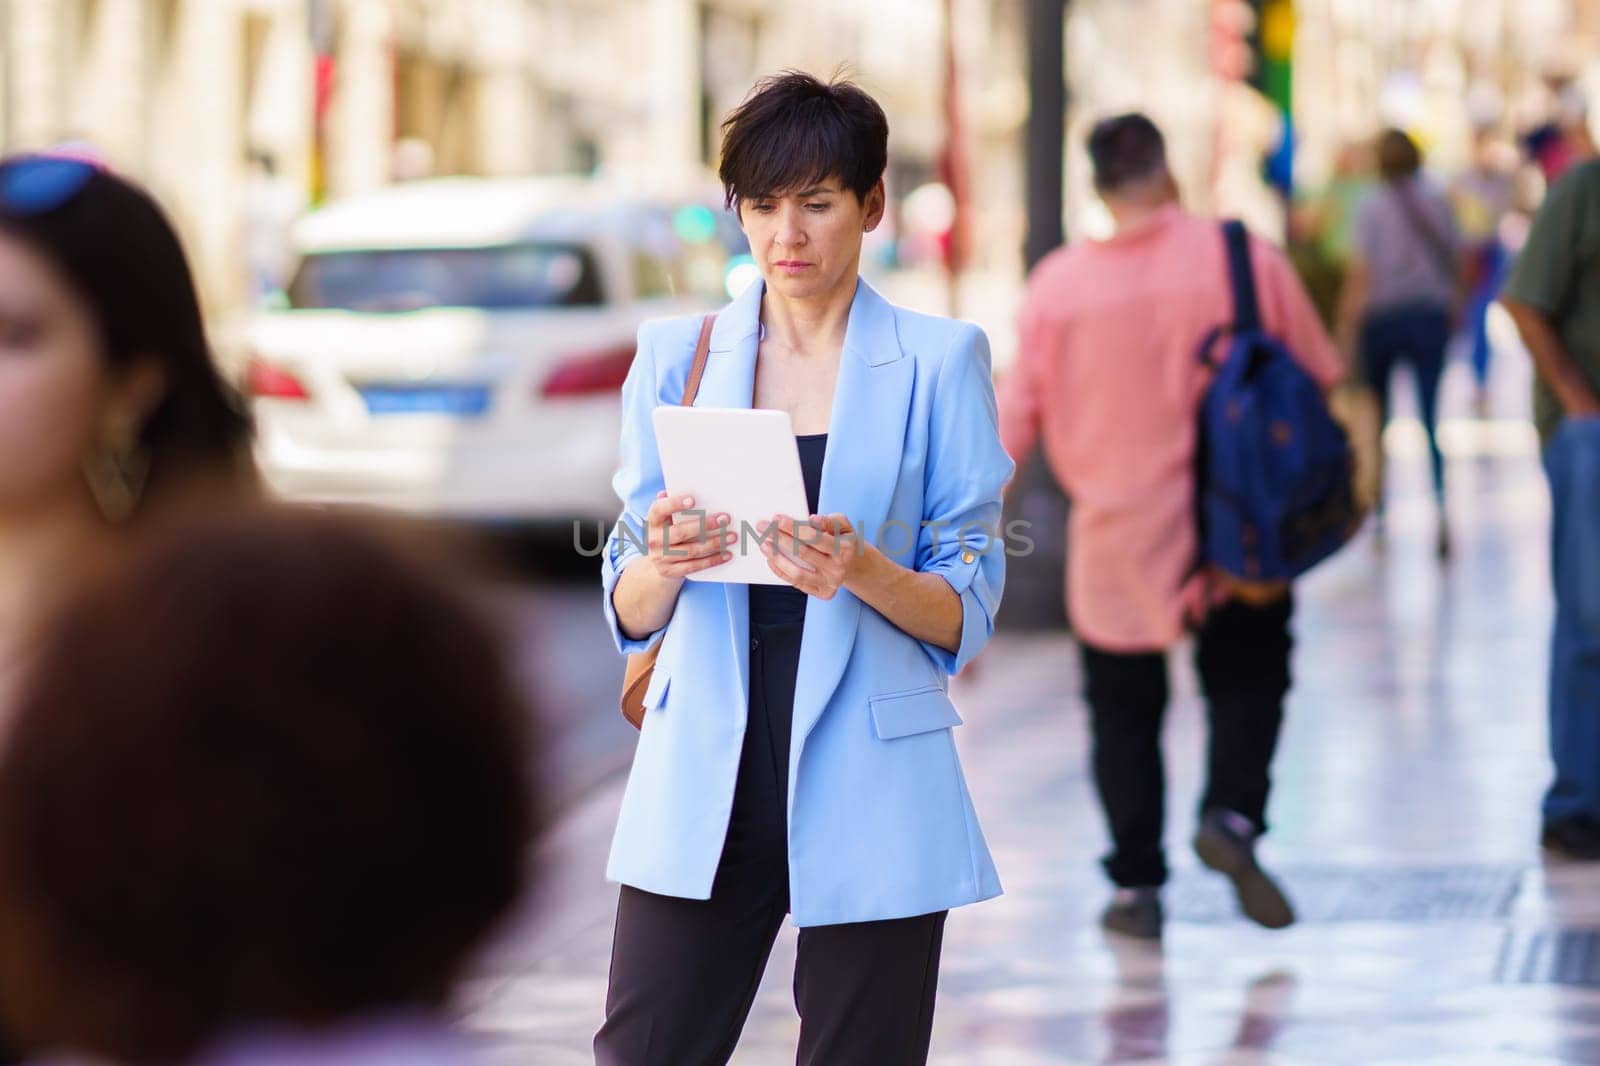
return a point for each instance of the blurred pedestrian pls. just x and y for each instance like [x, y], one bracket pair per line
[271, 204]
[796, 753]
[1554, 298]
[413, 160]
[1321, 244]
[1108, 373]
[1483, 195]
[263, 795]
[110, 406]
[1403, 294]
[1563, 141]
[1322, 228]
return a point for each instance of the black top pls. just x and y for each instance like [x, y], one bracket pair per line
[777, 604]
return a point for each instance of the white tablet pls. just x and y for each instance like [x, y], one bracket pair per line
[737, 461]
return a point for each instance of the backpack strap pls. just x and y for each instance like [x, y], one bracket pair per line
[1246, 319]
[1246, 313]
[1242, 283]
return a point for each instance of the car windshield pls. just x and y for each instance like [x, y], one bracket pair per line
[505, 277]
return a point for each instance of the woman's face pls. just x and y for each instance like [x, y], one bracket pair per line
[808, 241]
[55, 389]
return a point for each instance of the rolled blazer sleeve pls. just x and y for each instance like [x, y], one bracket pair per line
[637, 482]
[967, 468]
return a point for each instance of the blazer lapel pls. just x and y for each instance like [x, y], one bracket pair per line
[866, 439]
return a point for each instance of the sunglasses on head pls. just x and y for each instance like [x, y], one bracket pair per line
[34, 184]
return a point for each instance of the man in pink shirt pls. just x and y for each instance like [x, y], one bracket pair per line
[1109, 375]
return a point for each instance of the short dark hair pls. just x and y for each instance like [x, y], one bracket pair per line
[1125, 149]
[115, 247]
[1398, 155]
[794, 130]
[269, 772]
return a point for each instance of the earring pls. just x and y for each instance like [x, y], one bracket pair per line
[116, 474]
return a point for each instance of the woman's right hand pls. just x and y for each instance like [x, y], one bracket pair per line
[684, 540]
[681, 541]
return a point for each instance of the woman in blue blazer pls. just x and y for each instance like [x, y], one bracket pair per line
[796, 755]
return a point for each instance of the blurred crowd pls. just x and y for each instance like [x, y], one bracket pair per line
[1491, 200]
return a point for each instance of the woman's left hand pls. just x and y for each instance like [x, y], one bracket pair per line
[816, 556]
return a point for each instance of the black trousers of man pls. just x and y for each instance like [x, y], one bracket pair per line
[1242, 655]
[684, 972]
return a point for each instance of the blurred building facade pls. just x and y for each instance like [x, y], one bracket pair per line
[347, 95]
[191, 95]
[175, 91]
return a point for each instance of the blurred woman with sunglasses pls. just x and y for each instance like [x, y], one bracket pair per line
[110, 406]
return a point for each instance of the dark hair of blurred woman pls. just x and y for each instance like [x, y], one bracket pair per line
[267, 775]
[1398, 155]
[110, 407]
[121, 259]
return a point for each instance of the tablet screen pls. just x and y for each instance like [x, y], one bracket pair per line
[736, 460]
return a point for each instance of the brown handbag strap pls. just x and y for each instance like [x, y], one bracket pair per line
[697, 369]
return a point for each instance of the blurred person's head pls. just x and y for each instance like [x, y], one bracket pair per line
[108, 395]
[1571, 109]
[268, 776]
[1399, 157]
[1496, 154]
[803, 163]
[1354, 159]
[1129, 159]
[1485, 109]
[413, 159]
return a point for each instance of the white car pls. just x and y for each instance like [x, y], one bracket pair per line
[456, 347]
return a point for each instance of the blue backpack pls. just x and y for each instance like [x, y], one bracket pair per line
[1275, 493]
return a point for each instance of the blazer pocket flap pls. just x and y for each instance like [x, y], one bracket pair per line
[655, 693]
[903, 714]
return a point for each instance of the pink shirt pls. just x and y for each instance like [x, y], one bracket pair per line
[1107, 371]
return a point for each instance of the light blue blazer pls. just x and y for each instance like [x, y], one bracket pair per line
[880, 822]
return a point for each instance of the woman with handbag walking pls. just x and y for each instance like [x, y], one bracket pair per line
[1404, 292]
[796, 752]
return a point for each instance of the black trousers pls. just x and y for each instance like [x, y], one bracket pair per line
[684, 972]
[1418, 334]
[1243, 660]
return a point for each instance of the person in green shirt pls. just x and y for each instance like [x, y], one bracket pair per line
[1554, 298]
